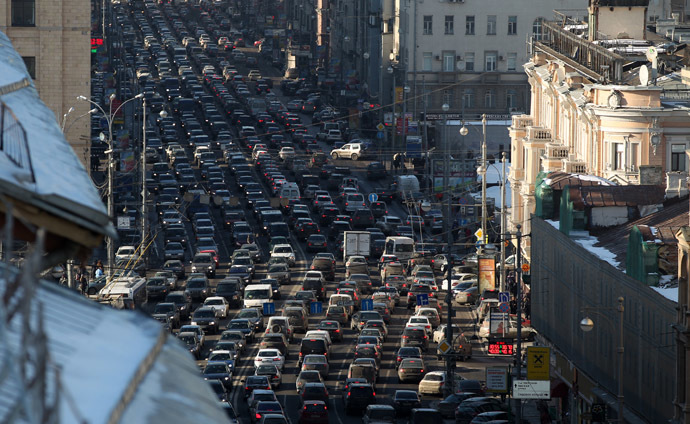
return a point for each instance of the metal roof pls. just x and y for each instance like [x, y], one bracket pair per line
[603, 196]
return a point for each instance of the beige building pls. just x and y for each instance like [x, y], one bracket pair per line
[53, 37]
[596, 107]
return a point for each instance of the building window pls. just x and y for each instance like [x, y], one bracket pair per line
[428, 24]
[30, 62]
[490, 99]
[449, 27]
[491, 25]
[490, 59]
[23, 13]
[511, 99]
[426, 61]
[448, 97]
[468, 98]
[469, 61]
[537, 30]
[512, 61]
[512, 25]
[448, 61]
[618, 155]
[469, 25]
[678, 157]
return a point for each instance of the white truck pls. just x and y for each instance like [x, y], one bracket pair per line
[357, 243]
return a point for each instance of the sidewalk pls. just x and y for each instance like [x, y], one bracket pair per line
[530, 413]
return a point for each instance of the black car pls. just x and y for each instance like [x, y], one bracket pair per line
[325, 265]
[231, 290]
[167, 311]
[157, 287]
[219, 371]
[205, 317]
[256, 382]
[405, 401]
[376, 170]
[198, 288]
[175, 266]
[192, 342]
[358, 397]
[182, 301]
[174, 250]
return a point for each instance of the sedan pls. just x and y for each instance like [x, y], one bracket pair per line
[317, 243]
[266, 407]
[308, 376]
[174, 250]
[218, 304]
[316, 362]
[406, 400]
[269, 356]
[272, 372]
[219, 371]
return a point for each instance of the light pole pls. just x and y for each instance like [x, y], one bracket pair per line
[504, 221]
[587, 325]
[109, 118]
[406, 91]
[450, 359]
[391, 72]
[484, 235]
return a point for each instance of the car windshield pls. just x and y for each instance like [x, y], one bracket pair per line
[215, 369]
[204, 313]
[266, 369]
[310, 376]
[188, 340]
[164, 308]
[248, 313]
[381, 414]
[282, 249]
[257, 294]
[275, 420]
[196, 284]
[433, 377]
[268, 354]
[238, 325]
[257, 380]
[219, 356]
[406, 395]
[315, 359]
[214, 302]
[278, 268]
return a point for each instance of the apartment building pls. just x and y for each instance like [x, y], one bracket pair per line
[53, 38]
[598, 108]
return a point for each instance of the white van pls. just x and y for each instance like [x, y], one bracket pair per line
[402, 247]
[289, 191]
[407, 184]
[255, 295]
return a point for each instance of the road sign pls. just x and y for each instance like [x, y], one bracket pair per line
[373, 197]
[122, 222]
[538, 363]
[315, 308]
[422, 299]
[380, 126]
[269, 308]
[504, 307]
[531, 389]
[504, 297]
[525, 267]
[367, 305]
[497, 379]
[380, 135]
[479, 234]
[444, 347]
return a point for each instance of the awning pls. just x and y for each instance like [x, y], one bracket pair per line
[612, 402]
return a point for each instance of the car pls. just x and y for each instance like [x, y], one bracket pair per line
[273, 419]
[313, 345]
[316, 362]
[358, 397]
[255, 382]
[313, 412]
[219, 371]
[470, 408]
[356, 265]
[440, 332]
[174, 250]
[313, 391]
[167, 311]
[297, 318]
[317, 243]
[432, 383]
[352, 151]
[266, 407]
[254, 316]
[204, 262]
[333, 328]
[176, 267]
[325, 265]
[279, 272]
[272, 372]
[218, 304]
[206, 318]
[156, 288]
[404, 401]
[285, 251]
[307, 376]
[420, 321]
[192, 342]
[376, 170]
[226, 356]
[379, 414]
[411, 369]
[244, 326]
[220, 391]
[269, 356]
[359, 319]
[338, 313]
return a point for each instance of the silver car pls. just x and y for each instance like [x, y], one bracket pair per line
[316, 362]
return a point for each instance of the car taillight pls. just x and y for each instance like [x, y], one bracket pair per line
[258, 416]
[338, 331]
[348, 393]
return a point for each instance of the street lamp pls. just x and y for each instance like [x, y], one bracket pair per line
[587, 325]
[391, 72]
[109, 118]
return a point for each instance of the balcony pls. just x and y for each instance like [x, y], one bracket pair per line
[552, 158]
[538, 135]
[521, 122]
[574, 166]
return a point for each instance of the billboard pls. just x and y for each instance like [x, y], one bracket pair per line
[487, 274]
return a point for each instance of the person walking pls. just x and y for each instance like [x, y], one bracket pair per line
[396, 162]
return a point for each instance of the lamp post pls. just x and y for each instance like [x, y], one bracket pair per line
[391, 72]
[484, 235]
[587, 325]
[109, 118]
[502, 283]
[450, 359]
[406, 91]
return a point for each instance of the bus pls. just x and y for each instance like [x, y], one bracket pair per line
[124, 293]
[402, 247]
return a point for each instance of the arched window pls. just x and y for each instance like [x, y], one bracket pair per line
[537, 28]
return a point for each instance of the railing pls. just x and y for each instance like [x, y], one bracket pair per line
[522, 121]
[557, 151]
[13, 141]
[575, 167]
[538, 133]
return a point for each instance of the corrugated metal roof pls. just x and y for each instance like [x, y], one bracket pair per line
[557, 180]
[101, 353]
[665, 223]
[630, 195]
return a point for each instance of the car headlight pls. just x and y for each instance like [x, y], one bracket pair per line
[193, 322]
[212, 323]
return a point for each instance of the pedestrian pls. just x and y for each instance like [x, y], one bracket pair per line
[527, 307]
[513, 305]
[83, 283]
[98, 273]
[396, 162]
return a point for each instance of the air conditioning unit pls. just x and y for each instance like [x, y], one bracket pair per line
[458, 58]
[437, 57]
[500, 58]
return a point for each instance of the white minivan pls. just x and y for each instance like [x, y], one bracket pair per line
[255, 295]
[289, 191]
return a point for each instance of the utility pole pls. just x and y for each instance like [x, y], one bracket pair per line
[503, 224]
[450, 358]
[144, 216]
[484, 235]
[428, 174]
[518, 299]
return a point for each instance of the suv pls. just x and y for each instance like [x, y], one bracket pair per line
[182, 301]
[297, 319]
[204, 262]
[358, 397]
[415, 336]
[325, 265]
[352, 151]
[312, 346]
[231, 290]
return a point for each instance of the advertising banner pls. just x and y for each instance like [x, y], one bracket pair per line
[487, 274]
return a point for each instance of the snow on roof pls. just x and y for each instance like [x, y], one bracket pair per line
[670, 293]
[60, 181]
[588, 242]
[99, 352]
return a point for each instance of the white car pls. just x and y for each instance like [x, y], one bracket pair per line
[218, 304]
[352, 151]
[433, 382]
[284, 251]
[287, 153]
[319, 334]
[418, 321]
[269, 356]
[440, 333]
[125, 253]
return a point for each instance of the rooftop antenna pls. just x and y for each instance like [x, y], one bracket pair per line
[652, 55]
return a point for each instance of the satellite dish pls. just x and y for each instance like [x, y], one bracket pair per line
[460, 65]
[652, 53]
[644, 75]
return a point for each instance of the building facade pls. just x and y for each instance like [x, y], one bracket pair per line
[53, 38]
[593, 113]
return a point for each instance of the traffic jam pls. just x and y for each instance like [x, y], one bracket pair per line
[284, 254]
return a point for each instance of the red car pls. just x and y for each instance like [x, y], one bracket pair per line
[313, 412]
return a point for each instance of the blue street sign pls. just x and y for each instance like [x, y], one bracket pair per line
[373, 197]
[269, 308]
[422, 299]
[379, 135]
[367, 305]
[463, 221]
[504, 297]
[315, 308]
